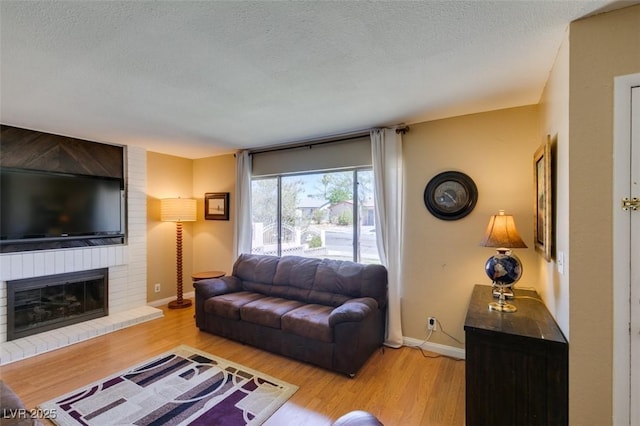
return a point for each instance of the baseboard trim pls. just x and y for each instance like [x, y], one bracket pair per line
[166, 300]
[435, 347]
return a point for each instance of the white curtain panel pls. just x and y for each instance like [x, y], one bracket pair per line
[242, 240]
[386, 152]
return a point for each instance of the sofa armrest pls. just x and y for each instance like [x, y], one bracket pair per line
[216, 286]
[353, 310]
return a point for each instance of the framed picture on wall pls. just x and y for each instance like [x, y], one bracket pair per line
[542, 204]
[216, 206]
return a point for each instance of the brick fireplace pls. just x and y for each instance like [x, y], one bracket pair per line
[127, 276]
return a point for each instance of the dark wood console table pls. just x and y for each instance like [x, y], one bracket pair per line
[516, 363]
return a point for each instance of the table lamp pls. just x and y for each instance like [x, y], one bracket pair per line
[178, 210]
[504, 268]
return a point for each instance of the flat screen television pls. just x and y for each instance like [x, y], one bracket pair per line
[45, 206]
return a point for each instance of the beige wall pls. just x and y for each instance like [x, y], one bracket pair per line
[601, 48]
[167, 177]
[213, 241]
[442, 259]
[207, 244]
[554, 119]
[577, 107]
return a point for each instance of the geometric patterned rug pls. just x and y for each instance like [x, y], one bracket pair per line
[184, 386]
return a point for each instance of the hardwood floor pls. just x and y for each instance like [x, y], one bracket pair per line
[399, 386]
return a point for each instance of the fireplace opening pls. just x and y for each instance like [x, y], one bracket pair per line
[44, 303]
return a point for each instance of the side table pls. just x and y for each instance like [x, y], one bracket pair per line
[197, 276]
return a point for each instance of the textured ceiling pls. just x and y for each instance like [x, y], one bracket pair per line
[196, 79]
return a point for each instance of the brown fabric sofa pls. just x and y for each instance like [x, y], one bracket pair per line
[325, 312]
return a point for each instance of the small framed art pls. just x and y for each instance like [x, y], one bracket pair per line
[216, 206]
[542, 204]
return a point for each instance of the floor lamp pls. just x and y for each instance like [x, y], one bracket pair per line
[178, 210]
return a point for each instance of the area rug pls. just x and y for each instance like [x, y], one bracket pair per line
[184, 386]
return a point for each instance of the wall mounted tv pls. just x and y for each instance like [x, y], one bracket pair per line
[38, 206]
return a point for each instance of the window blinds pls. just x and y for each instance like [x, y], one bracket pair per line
[348, 153]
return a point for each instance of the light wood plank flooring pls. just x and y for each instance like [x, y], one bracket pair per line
[400, 386]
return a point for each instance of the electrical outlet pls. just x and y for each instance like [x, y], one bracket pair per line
[432, 323]
[157, 287]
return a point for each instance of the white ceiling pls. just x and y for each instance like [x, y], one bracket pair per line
[196, 79]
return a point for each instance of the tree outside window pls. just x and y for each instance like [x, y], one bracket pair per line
[321, 215]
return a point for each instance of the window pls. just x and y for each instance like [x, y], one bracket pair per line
[321, 214]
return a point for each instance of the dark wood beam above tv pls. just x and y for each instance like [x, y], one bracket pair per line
[34, 150]
[29, 149]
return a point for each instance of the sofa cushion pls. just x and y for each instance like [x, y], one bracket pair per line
[228, 305]
[296, 271]
[255, 269]
[325, 298]
[294, 277]
[350, 279]
[311, 321]
[267, 311]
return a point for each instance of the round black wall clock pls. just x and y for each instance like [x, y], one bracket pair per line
[450, 195]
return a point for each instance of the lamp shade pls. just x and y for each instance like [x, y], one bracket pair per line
[502, 232]
[178, 210]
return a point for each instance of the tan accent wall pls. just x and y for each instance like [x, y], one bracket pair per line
[601, 48]
[213, 241]
[167, 177]
[207, 244]
[442, 259]
[554, 121]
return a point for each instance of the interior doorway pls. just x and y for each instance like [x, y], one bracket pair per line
[626, 246]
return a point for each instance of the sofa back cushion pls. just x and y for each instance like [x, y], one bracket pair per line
[325, 282]
[350, 279]
[294, 277]
[256, 272]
